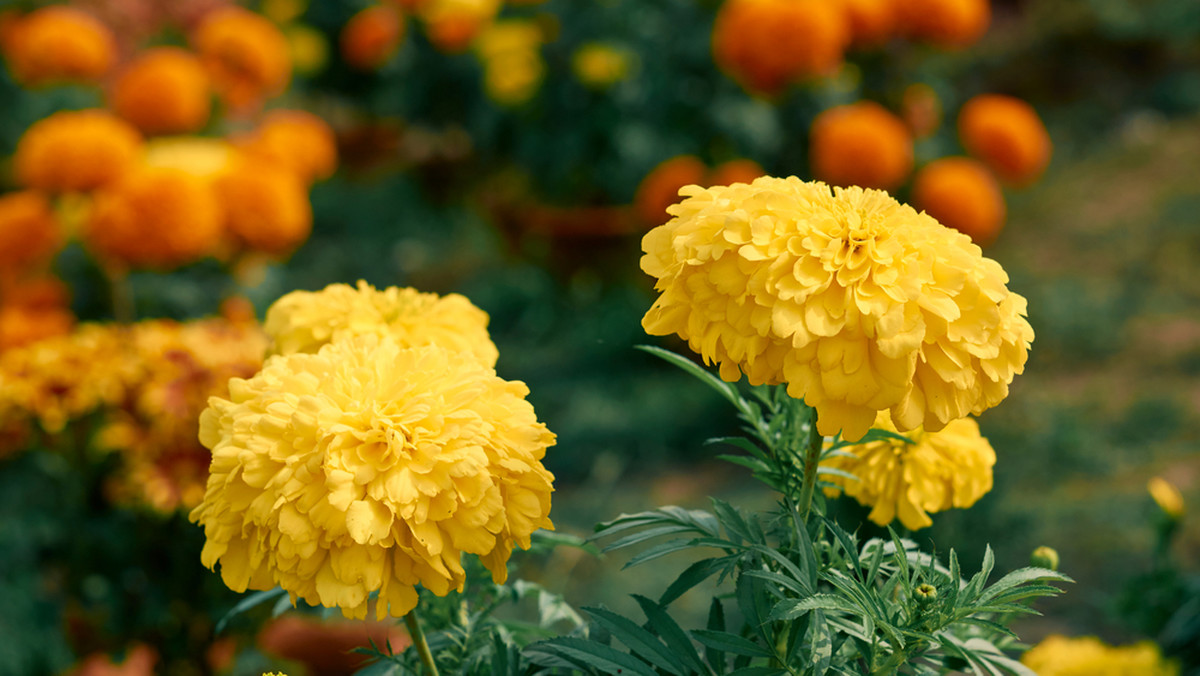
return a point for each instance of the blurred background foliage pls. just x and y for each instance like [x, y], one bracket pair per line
[516, 184]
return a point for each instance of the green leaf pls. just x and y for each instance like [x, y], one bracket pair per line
[723, 388]
[585, 653]
[693, 575]
[639, 641]
[790, 609]
[752, 464]
[716, 622]
[752, 600]
[820, 643]
[743, 443]
[732, 520]
[975, 586]
[549, 539]
[1022, 576]
[659, 550]
[757, 671]
[831, 471]
[251, 601]
[730, 643]
[661, 623]
[644, 535]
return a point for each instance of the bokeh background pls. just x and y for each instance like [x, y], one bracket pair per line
[515, 153]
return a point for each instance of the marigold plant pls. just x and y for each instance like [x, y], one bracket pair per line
[29, 232]
[962, 194]
[59, 44]
[945, 23]
[246, 55]
[861, 144]
[370, 467]
[155, 217]
[297, 140]
[906, 480]
[768, 44]
[1089, 656]
[164, 90]
[844, 294]
[304, 321]
[76, 150]
[372, 37]
[266, 205]
[1007, 134]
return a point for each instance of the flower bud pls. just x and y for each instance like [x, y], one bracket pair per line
[925, 593]
[1167, 496]
[1044, 557]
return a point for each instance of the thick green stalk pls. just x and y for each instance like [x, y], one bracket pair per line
[812, 457]
[418, 639]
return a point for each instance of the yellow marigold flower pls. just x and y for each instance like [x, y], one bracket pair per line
[962, 194]
[266, 205]
[246, 55]
[1089, 656]
[854, 300]
[155, 217]
[59, 44]
[370, 467]
[513, 66]
[308, 48]
[29, 233]
[297, 140]
[601, 65]
[76, 150]
[1166, 496]
[861, 144]
[939, 470]
[372, 37]
[768, 44]
[304, 321]
[164, 90]
[1007, 134]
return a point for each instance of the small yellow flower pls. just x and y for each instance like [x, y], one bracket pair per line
[601, 65]
[1167, 496]
[513, 66]
[1089, 656]
[303, 321]
[370, 467]
[857, 302]
[938, 471]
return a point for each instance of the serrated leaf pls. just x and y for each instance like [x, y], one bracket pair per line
[691, 576]
[752, 464]
[1022, 576]
[583, 652]
[790, 609]
[639, 641]
[676, 639]
[975, 586]
[730, 643]
[732, 520]
[716, 622]
[251, 601]
[659, 550]
[820, 643]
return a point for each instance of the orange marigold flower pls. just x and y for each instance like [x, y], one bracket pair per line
[155, 217]
[860, 144]
[736, 171]
[59, 44]
[164, 90]
[24, 325]
[872, 22]
[1007, 134]
[660, 188]
[946, 23]
[372, 37]
[297, 140]
[962, 194]
[266, 206]
[247, 56]
[451, 25]
[29, 233]
[76, 150]
[768, 44]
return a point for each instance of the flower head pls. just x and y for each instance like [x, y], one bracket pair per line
[861, 144]
[601, 65]
[372, 37]
[59, 43]
[768, 44]
[76, 150]
[29, 233]
[368, 467]
[297, 140]
[164, 90]
[856, 301]
[1007, 134]
[513, 65]
[945, 23]
[304, 321]
[660, 188]
[452, 25]
[872, 22]
[961, 193]
[246, 55]
[266, 204]
[937, 471]
[1089, 656]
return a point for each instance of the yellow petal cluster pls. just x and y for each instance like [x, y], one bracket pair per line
[1089, 656]
[303, 321]
[856, 301]
[370, 466]
[938, 471]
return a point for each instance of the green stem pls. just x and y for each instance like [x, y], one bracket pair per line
[812, 457]
[121, 292]
[418, 639]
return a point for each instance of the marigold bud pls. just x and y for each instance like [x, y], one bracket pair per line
[962, 194]
[1166, 496]
[1007, 134]
[59, 44]
[372, 37]
[768, 44]
[76, 150]
[861, 144]
[1044, 557]
[660, 188]
[925, 593]
[163, 91]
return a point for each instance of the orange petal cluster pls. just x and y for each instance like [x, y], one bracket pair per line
[767, 45]
[76, 151]
[59, 44]
[861, 144]
[164, 90]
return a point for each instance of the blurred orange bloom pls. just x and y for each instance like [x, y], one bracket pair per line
[962, 194]
[266, 206]
[59, 43]
[1007, 134]
[860, 144]
[768, 44]
[155, 217]
[139, 661]
[735, 171]
[247, 56]
[29, 233]
[21, 325]
[164, 90]
[372, 36]
[451, 25]
[872, 22]
[76, 150]
[945, 23]
[297, 140]
[660, 188]
[327, 647]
